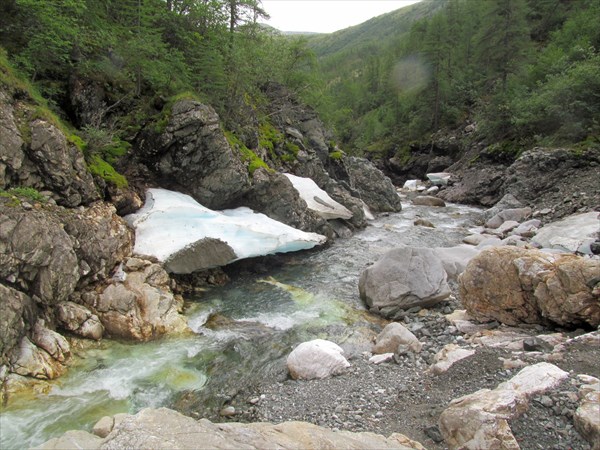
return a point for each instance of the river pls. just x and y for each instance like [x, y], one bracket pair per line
[260, 318]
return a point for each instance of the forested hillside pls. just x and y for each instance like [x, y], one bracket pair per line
[524, 72]
[140, 55]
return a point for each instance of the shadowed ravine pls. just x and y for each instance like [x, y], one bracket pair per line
[256, 321]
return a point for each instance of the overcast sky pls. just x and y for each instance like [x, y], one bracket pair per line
[326, 16]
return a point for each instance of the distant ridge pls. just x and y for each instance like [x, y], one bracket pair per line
[377, 32]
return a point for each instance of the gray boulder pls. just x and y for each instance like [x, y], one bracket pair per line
[403, 278]
[509, 201]
[573, 233]
[455, 259]
[514, 214]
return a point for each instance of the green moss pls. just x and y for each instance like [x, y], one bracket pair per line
[28, 193]
[269, 138]
[97, 166]
[248, 156]
[77, 141]
[336, 155]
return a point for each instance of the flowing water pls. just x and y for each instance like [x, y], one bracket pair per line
[259, 319]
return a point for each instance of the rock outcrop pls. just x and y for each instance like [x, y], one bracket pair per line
[193, 155]
[165, 428]
[140, 306]
[515, 285]
[44, 159]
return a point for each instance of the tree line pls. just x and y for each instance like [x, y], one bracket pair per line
[146, 49]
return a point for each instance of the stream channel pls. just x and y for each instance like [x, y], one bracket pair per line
[260, 318]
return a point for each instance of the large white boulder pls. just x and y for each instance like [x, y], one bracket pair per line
[187, 236]
[317, 199]
[316, 359]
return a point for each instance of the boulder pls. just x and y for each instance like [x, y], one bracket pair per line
[509, 201]
[428, 200]
[50, 341]
[446, 357]
[165, 428]
[573, 234]
[527, 229]
[142, 307]
[32, 361]
[515, 214]
[316, 359]
[481, 420]
[393, 335]
[79, 320]
[515, 285]
[192, 155]
[455, 259]
[373, 187]
[403, 278]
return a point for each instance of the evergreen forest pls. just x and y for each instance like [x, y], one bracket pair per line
[523, 72]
